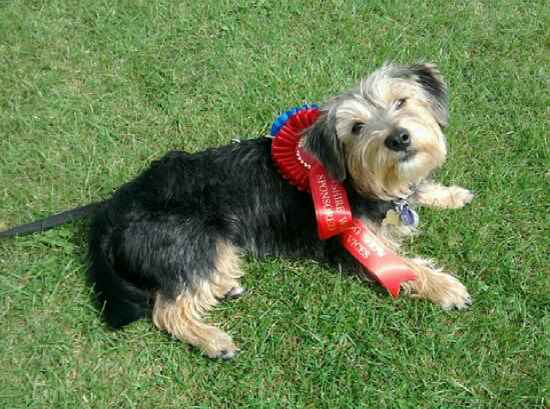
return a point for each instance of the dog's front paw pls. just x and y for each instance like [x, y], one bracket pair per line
[218, 344]
[451, 293]
[235, 292]
[458, 197]
[227, 354]
[442, 197]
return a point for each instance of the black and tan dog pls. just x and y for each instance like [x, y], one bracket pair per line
[170, 241]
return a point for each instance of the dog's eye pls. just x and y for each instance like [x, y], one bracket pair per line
[356, 127]
[399, 103]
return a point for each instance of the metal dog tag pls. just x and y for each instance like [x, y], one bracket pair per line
[407, 215]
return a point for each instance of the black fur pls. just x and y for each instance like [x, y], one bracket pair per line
[429, 78]
[430, 81]
[158, 232]
[323, 142]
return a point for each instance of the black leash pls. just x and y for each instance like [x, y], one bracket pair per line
[50, 221]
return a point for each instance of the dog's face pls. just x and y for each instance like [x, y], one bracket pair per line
[386, 134]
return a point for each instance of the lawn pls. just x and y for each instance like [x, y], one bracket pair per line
[92, 91]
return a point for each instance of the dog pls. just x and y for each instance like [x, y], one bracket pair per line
[169, 243]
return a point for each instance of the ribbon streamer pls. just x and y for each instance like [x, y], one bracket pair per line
[332, 209]
[386, 267]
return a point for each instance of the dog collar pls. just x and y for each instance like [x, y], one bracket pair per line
[332, 209]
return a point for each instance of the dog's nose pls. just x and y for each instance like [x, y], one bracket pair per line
[398, 140]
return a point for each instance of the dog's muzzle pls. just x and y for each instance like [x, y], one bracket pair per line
[398, 140]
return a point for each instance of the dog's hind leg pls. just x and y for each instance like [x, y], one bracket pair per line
[183, 315]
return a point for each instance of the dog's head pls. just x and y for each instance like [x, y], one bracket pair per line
[386, 134]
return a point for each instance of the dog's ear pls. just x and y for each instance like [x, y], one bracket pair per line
[322, 141]
[431, 80]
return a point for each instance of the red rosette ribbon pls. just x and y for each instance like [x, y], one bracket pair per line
[292, 161]
[332, 209]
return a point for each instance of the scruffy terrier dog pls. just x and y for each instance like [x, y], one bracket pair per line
[171, 239]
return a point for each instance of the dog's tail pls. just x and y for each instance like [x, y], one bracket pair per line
[121, 301]
[50, 221]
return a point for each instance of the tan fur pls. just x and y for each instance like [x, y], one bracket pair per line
[431, 283]
[182, 317]
[374, 169]
[445, 197]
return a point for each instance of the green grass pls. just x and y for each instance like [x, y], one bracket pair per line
[91, 92]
